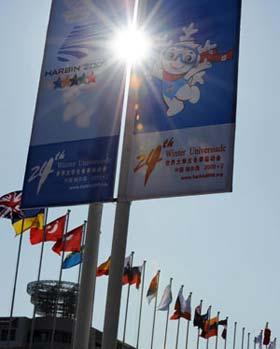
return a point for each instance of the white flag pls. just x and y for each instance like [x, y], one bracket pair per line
[186, 305]
[166, 299]
[272, 345]
[128, 262]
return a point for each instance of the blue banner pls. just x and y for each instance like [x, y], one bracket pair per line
[74, 142]
[184, 101]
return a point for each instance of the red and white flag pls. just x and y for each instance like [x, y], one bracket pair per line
[71, 242]
[182, 307]
[53, 231]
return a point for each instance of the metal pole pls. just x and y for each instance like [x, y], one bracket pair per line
[209, 313]
[88, 278]
[127, 301]
[177, 335]
[112, 311]
[59, 280]
[78, 281]
[197, 342]
[216, 342]
[154, 318]
[141, 304]
[188, 328]
[167, 320]
[15, 282]
[115, 276]
[225, 345]
[178, 325]
[38, 277]
[242, 340]
[234, 335]
[248, 341]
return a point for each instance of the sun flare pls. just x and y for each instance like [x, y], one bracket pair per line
[131, 45]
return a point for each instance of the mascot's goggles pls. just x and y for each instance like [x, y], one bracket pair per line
[185, 55]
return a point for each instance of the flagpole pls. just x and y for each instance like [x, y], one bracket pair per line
[242, 340]
[112, 311]
[127, 300]
[248, 341]
[234, 335]
[141, 304]
[15, 282]
[216, 342]
[80, 265]
[46, 211]
[225, 344]
[114, 287]
[188, 327]
[59, 279]
[86, 293]
[197, 342]
[78, 281]
[178, 326]
[154, 318]
[167, 320]
[209, 317]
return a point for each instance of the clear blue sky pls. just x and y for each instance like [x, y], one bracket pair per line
[224, 248]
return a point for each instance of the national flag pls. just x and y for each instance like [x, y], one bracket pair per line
[53, 231]
[166, 299]
[127, 269]
[28, 219]
[266, 336]
[199, 319]
[210, 328]
[182, 307]
[258, 339]
[153, 288]
[71, 242]
[224, 323]
[134, 276]
[10, 205]
[73, 259]
[103, 268]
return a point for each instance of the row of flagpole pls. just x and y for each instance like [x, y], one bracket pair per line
[141, 303]
[127, 302]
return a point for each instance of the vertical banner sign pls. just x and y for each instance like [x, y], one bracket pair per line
[183, 101]
[74, 142]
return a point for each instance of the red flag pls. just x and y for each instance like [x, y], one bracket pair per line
[54, 231]
[103, 269]
[135, 276]
[71, 241]
[266, 336]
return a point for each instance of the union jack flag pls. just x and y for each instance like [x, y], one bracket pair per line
[10, 205]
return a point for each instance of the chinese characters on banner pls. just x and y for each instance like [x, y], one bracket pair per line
[74, 142]
[183, 101]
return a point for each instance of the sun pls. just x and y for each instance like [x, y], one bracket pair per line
[131, 45]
